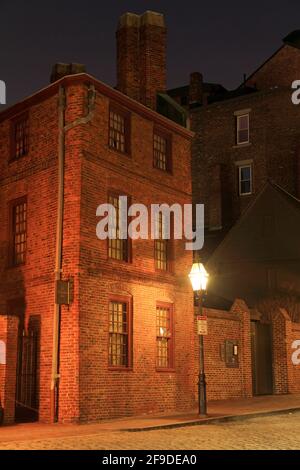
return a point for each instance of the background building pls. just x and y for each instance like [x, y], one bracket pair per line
[243, 140]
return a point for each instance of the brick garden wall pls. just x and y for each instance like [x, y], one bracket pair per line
[295, 376]
[286, 374]
[226, 382]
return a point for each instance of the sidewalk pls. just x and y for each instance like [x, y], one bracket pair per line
[220, 411]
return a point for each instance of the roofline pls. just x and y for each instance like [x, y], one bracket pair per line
[262, 65]
[242, 97]
[269, 183]
[104, 89]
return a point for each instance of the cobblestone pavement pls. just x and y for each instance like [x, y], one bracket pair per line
[269, 432]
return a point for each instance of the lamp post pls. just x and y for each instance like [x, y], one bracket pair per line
[199, 279]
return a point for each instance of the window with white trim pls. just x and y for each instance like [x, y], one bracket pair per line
[245, 180]
[242, 129]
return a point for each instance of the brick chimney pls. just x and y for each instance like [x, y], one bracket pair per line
[61, 70]
[141, 56]
[215, 198]
[196, 88]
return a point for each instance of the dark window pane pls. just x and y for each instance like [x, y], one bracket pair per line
[161, 152]
[117, 132]
[117, 248]
[161, 247]
[245, 187]
[242, 129]
[21, 138]
[245, 173]
[19, 232]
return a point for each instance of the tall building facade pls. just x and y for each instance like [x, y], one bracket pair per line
[97, 328]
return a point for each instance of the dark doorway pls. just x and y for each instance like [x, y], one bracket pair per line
[262, 371]
[27, 396]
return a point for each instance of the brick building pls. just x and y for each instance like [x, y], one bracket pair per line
[94, 328]
[91, 329]
[244, 139]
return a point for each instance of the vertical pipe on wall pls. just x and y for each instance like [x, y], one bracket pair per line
[58, 255]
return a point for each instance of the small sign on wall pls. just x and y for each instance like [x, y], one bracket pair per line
[202, 325]
[2, 353]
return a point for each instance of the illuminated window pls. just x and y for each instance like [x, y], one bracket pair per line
[164, 337]
[117, 249]
[242, 123]
[161, 246]
[119, 338]
[20, 137]
[161, 151]
[118, 131]
[19, 232]
[245, 180]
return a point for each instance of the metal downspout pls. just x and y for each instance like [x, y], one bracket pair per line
[62, 129]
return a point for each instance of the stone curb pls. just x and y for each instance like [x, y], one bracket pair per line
[214, 420]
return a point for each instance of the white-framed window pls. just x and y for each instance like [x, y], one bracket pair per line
[242, 129]
[245, 180]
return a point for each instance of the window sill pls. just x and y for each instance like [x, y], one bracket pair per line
[168, 370]
[241, 146]
[120, 261]
[165, 172]
[17, 159]
[15, 266]
[119, 152]
[164, 271]
[120, 369]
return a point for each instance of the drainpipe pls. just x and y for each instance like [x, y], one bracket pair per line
[62, 130]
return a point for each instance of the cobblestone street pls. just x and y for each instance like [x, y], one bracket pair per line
[269, 432]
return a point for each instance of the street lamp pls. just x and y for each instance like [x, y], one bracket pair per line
[199, 279]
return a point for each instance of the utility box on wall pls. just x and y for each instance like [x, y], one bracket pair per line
[231, 350]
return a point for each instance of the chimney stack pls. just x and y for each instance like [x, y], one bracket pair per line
[196, 88]
[141, 56]
[61, 70]
[215, 198]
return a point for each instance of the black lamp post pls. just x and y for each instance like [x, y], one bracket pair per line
[199, 279]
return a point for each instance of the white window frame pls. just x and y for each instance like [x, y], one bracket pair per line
[238, 119]
[241, 167]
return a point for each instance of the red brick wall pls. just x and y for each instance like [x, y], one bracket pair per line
[280, 70]
[286, 374]
[225, 382]
[34, 176]
[3, 337]
[8, 334]
[105, 393]
[88, 390]
[295, 374]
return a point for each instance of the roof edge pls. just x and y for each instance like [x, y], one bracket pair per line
[269, 183]
[103, 88]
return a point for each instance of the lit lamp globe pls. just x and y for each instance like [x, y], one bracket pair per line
[199, 277]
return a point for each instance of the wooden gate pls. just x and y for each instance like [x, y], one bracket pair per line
[262, 371]
[27, 397]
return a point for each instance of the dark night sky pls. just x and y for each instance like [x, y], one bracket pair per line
[222, 39]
